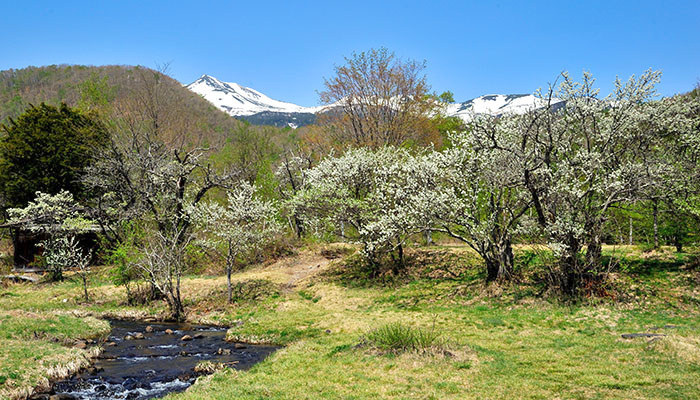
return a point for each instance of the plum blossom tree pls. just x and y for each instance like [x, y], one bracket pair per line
[64, 253]
[59, 218]
[580, 161]
[479, 198]
[367, 196]
[241, 227]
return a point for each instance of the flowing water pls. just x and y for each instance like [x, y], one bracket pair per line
[131, 367]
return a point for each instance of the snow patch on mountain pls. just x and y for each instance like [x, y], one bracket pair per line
[241, 101]
[237, 100]
[496, 104]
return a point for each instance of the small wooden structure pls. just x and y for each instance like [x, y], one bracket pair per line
[27, 244]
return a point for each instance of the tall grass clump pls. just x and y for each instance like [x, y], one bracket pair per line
[398, 337]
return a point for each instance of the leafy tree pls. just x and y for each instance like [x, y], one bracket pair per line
[47, 149]
[379, 100]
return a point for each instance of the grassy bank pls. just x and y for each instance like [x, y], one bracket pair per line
[494, 342]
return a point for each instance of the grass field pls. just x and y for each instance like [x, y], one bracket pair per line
[513, 341]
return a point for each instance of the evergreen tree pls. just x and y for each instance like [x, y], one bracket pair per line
[46, 149]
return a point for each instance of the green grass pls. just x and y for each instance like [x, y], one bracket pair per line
[504, 342]
[51, 327]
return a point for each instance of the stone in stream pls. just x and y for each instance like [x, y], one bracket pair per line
[168, 331]
[61, 397]
[128, 337]
[198, 336]
[149, 329]
[130, 369]
[239, 346]
[139, 336]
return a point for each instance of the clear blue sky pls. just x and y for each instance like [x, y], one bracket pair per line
[285, 48]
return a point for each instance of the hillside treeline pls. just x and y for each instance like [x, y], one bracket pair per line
[169, 180]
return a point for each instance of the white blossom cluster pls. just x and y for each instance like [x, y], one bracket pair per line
[554, 172]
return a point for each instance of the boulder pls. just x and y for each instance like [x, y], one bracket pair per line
[186, 338]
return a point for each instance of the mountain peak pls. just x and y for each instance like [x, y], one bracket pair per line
[238, 100]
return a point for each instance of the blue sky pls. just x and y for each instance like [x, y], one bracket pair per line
[285, 49]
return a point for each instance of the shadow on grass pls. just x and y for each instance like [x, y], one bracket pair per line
[419, 264]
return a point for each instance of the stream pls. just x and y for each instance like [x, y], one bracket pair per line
[148, 360]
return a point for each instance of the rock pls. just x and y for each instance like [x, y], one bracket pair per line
[149, 329]
[110, 344]
[168, 331]
[641, 335]
[186, 338]
[239, 346]
[183, 353]
[223, 351]
[198, 336]
[128, 337]
[130, 383]
[61, 397]
[80, 345]
[21, 278]
[139, 336]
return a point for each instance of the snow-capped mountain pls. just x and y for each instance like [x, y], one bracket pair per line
[249, 104]
[238, 100]
[496, 104]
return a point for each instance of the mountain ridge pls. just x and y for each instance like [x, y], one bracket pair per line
[255, 107]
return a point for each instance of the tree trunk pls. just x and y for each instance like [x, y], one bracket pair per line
[655, 210]
[299, 228]
[594, 250]
[631, 241]
[228, 281]
[678, 243]
[570, 273]
[87, 299]
[499, 264]
[399, 261]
